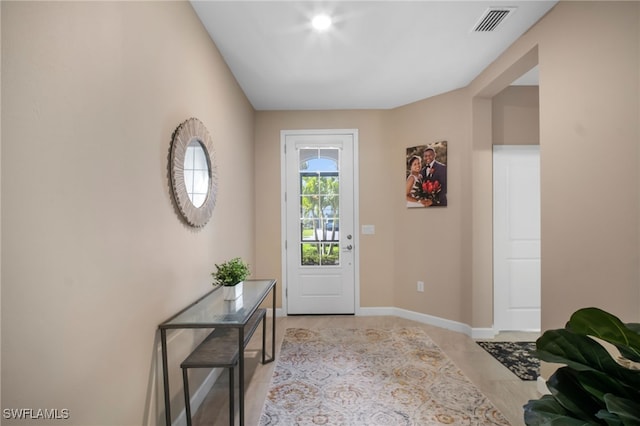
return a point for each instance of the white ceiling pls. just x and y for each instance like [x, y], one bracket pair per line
[378, 54]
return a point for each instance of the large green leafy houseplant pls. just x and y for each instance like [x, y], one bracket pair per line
[594, 387]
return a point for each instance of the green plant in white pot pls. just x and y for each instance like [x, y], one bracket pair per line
[230, 275]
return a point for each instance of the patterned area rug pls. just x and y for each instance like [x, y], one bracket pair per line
[371, 377]
[516, 356]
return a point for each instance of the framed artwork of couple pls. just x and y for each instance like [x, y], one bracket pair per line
[426, 175]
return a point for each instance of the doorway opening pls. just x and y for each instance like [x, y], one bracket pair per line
[516, 205]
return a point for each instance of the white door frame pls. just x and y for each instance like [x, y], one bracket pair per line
[356, 210]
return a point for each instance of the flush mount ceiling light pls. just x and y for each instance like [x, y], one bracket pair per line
[321, 22]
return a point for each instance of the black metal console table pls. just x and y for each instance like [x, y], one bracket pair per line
[212, 311]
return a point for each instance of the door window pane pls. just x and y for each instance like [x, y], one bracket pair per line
[319, 206]
[316, 254]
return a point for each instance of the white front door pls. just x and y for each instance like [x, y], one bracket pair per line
[516, 230]
[320, 245]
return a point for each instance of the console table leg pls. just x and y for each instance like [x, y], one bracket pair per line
[232, 409]
[165, 377]
[273, 324]
[241, 374]
[187, 397]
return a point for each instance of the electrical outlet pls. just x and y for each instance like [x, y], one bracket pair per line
[420, 286]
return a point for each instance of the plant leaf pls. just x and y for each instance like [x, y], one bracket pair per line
[610, 418]
[575, 350]
[565, 386]
[582, 353]
[627, 410]
[605, 326]
[634, 326]
[547, 411]
[599, 384]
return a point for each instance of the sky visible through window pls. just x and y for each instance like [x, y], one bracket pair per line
[321, 165]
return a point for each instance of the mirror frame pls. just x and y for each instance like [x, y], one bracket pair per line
[183, 135]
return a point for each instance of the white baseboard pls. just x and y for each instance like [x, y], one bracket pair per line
[475, 333]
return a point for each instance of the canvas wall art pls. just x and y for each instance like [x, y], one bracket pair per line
[426, 175]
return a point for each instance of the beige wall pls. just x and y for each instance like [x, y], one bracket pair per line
[0, 205]
[586, 243]
[430, 244]
[515, 116]
[93, 255]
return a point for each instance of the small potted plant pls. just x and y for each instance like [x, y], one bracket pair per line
[230, 275]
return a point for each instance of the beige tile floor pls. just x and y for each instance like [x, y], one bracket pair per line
[502, 387]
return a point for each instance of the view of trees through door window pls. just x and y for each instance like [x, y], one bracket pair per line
[319, 206]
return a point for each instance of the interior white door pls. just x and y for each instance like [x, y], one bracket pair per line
[516, 228]
[320, 243]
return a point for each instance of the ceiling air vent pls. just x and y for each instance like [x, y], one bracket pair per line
[491, 18]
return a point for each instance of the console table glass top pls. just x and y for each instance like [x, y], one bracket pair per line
[213, 309]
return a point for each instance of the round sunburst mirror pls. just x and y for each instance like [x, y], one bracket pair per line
[193, 173]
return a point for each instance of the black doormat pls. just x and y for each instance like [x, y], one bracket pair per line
[516, 356]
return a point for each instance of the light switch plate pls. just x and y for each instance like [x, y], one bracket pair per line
[368, 229]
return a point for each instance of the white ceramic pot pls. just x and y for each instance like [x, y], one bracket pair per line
[233, 306]
[232, 292]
